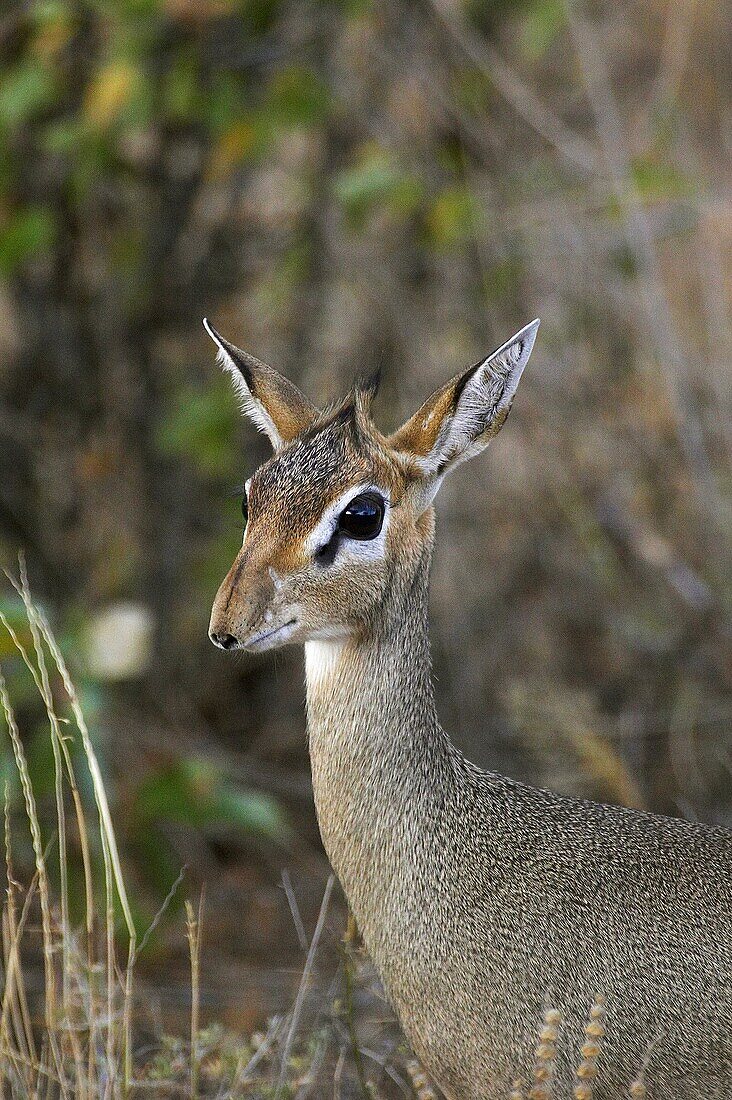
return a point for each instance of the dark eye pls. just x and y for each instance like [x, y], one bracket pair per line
[363, 517]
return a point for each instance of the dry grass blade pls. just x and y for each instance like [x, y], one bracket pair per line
[193, 929]
[61, 759]
[294, 909]
[14, 999]
[420, 1081]
[114, 877]
[591, 1050]
[300, 999]
[60, 751]
[545, 1056]
[43, 889]
[349, 941]
[262, 1051]
[154, 923]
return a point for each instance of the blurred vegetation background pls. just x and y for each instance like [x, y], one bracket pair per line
[341, 185]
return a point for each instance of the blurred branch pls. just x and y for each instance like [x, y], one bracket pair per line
[674, 50]
[572, 148]
[297, 1009]
[639, 239]
[10, 23]
[655, 552]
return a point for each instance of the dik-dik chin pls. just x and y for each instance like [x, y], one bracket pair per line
[480, 900]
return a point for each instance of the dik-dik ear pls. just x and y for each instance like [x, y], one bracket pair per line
[461, 418]
[274, 404]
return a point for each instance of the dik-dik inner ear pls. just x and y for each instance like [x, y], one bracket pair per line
[274, 404]
[462, 417]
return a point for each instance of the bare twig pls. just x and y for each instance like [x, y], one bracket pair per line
[294, 909]
[193, 928]
[43, 887]
[574, 149]
[300, 999]
[349, 939]
[160, 913]
[641, 245]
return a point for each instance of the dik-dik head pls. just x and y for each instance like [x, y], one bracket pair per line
[341, 515]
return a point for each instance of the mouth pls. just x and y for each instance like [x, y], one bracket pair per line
[266, 639]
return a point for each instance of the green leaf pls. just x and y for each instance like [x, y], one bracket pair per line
[298, 97]
[49, 11]
[656, 181]
[224, 105]
[182, 96]
[110, 94]
[24, 90]
[377, 180]
[454, 217]
[201, 427]
[195, 793]
[253, 811]
[63, 137]
[541, 26]
[30, 231]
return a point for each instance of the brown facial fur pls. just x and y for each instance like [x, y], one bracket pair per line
[287, 498]
[276, 590]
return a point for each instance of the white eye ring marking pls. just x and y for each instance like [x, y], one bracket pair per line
[324, 530]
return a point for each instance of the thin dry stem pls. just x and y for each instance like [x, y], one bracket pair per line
[43, 889]
[299, 1000]
[193, 929]
[57, 743]
[113, 867]
[60, 745]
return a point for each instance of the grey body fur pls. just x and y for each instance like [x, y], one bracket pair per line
[482, 900]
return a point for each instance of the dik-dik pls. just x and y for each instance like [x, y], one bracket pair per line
[480, 900]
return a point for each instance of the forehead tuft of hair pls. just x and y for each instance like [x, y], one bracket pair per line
[366, 388]
[353, 413]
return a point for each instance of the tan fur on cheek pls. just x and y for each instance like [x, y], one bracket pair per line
[340, 600]
[288, 558]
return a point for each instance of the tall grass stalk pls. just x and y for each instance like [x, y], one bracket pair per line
[14, 999]
[193, 927]
[299, 1000]
[43, 888]
[79, 1010]
[112, 864]
[39, 672]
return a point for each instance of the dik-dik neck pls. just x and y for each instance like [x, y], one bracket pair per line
[380, 760]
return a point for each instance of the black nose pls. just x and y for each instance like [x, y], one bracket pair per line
[223, 641]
